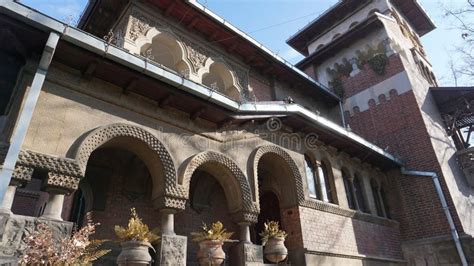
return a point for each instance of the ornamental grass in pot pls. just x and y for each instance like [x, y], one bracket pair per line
[135, 240]
[210, 240]
[274, 241]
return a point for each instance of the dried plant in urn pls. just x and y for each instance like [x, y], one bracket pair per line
[273, 238]
[210, 241]
[77, 249]
[135, 240]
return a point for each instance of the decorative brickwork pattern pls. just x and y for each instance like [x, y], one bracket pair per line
[22, 175]
[59, 165]
[61, 183]
[367, 78]
[249, 210]
[173, 195]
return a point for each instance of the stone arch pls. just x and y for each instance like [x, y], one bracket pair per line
[219, 72]
[233, 181]
[167, 50]
[296, 183]
[336, 36]
[148, 148]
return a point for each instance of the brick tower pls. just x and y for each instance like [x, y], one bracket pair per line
[369, 53]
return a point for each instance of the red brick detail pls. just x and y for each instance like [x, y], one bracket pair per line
[327, 232]
[262, 91]
[367, 78]
[291, 223]
[397, 126]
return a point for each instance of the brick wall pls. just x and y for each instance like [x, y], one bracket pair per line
[327, 232]
[367, 78]
[396, 125]
[262, 91]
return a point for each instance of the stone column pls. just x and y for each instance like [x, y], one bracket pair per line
[21, 176]
[382, 205]
[57, 185]
[172, 248]
[354, 196]
[54, 207]
[167, 222]
[245, 233]
[6, 206]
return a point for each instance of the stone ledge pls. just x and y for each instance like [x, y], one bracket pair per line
[334, 209]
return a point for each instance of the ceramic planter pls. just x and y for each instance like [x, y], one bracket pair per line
[275, 250]
[134, 253]
[210, 252]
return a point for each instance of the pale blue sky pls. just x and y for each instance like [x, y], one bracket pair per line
[271, 22]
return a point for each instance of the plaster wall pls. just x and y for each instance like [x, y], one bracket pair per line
[342, 27]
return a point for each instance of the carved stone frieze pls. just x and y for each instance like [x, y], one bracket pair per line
[253, 253]
[197, 55]
[139, 25]
[173, 250]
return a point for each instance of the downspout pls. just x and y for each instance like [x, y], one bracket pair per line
[444, 205]
[31, 98]
[343, 119]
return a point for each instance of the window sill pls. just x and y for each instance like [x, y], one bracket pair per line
[336, 209]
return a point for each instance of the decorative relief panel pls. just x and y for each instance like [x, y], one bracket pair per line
[139, 25]
[173, 250]
[196, 55]
[61, 183]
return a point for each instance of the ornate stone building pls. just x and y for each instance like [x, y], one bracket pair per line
[164, 106]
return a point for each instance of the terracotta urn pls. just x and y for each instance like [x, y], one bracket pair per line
[275, 250]
[210, 252]
[134, 253]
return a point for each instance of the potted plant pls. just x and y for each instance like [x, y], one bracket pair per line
[274, 241]
[210, 241]
[135, 240]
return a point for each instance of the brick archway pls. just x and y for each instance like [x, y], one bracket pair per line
[149, 148]
[295, 185]
[230, 177]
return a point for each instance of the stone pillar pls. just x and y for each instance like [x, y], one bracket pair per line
[21, 176]
[245, 233]
[57, 185]
[7, 202]
[54, 207]
[354, 196]
[172, 248]
[167, 222]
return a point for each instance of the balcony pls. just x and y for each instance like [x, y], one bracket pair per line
[466, 161]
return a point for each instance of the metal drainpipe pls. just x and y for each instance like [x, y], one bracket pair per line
[444, 205]
[342, 114]
[31, 99]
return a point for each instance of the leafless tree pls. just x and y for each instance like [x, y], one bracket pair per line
[463, 19]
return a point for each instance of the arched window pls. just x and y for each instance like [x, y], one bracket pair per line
[320, 47]
[359, 194]
[220, 78]
[167, 51]
[349, 191]
[336, 36]
[310, 177]
[377, 200]
[326, 183]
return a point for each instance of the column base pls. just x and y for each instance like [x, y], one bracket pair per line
[247, 254]
[172, 250]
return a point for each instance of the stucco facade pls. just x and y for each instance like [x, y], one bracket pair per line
[164, 116]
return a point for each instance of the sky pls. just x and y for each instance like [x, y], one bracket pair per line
[272, 22]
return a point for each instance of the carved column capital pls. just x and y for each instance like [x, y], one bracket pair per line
[60, 183]
[21, 175]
